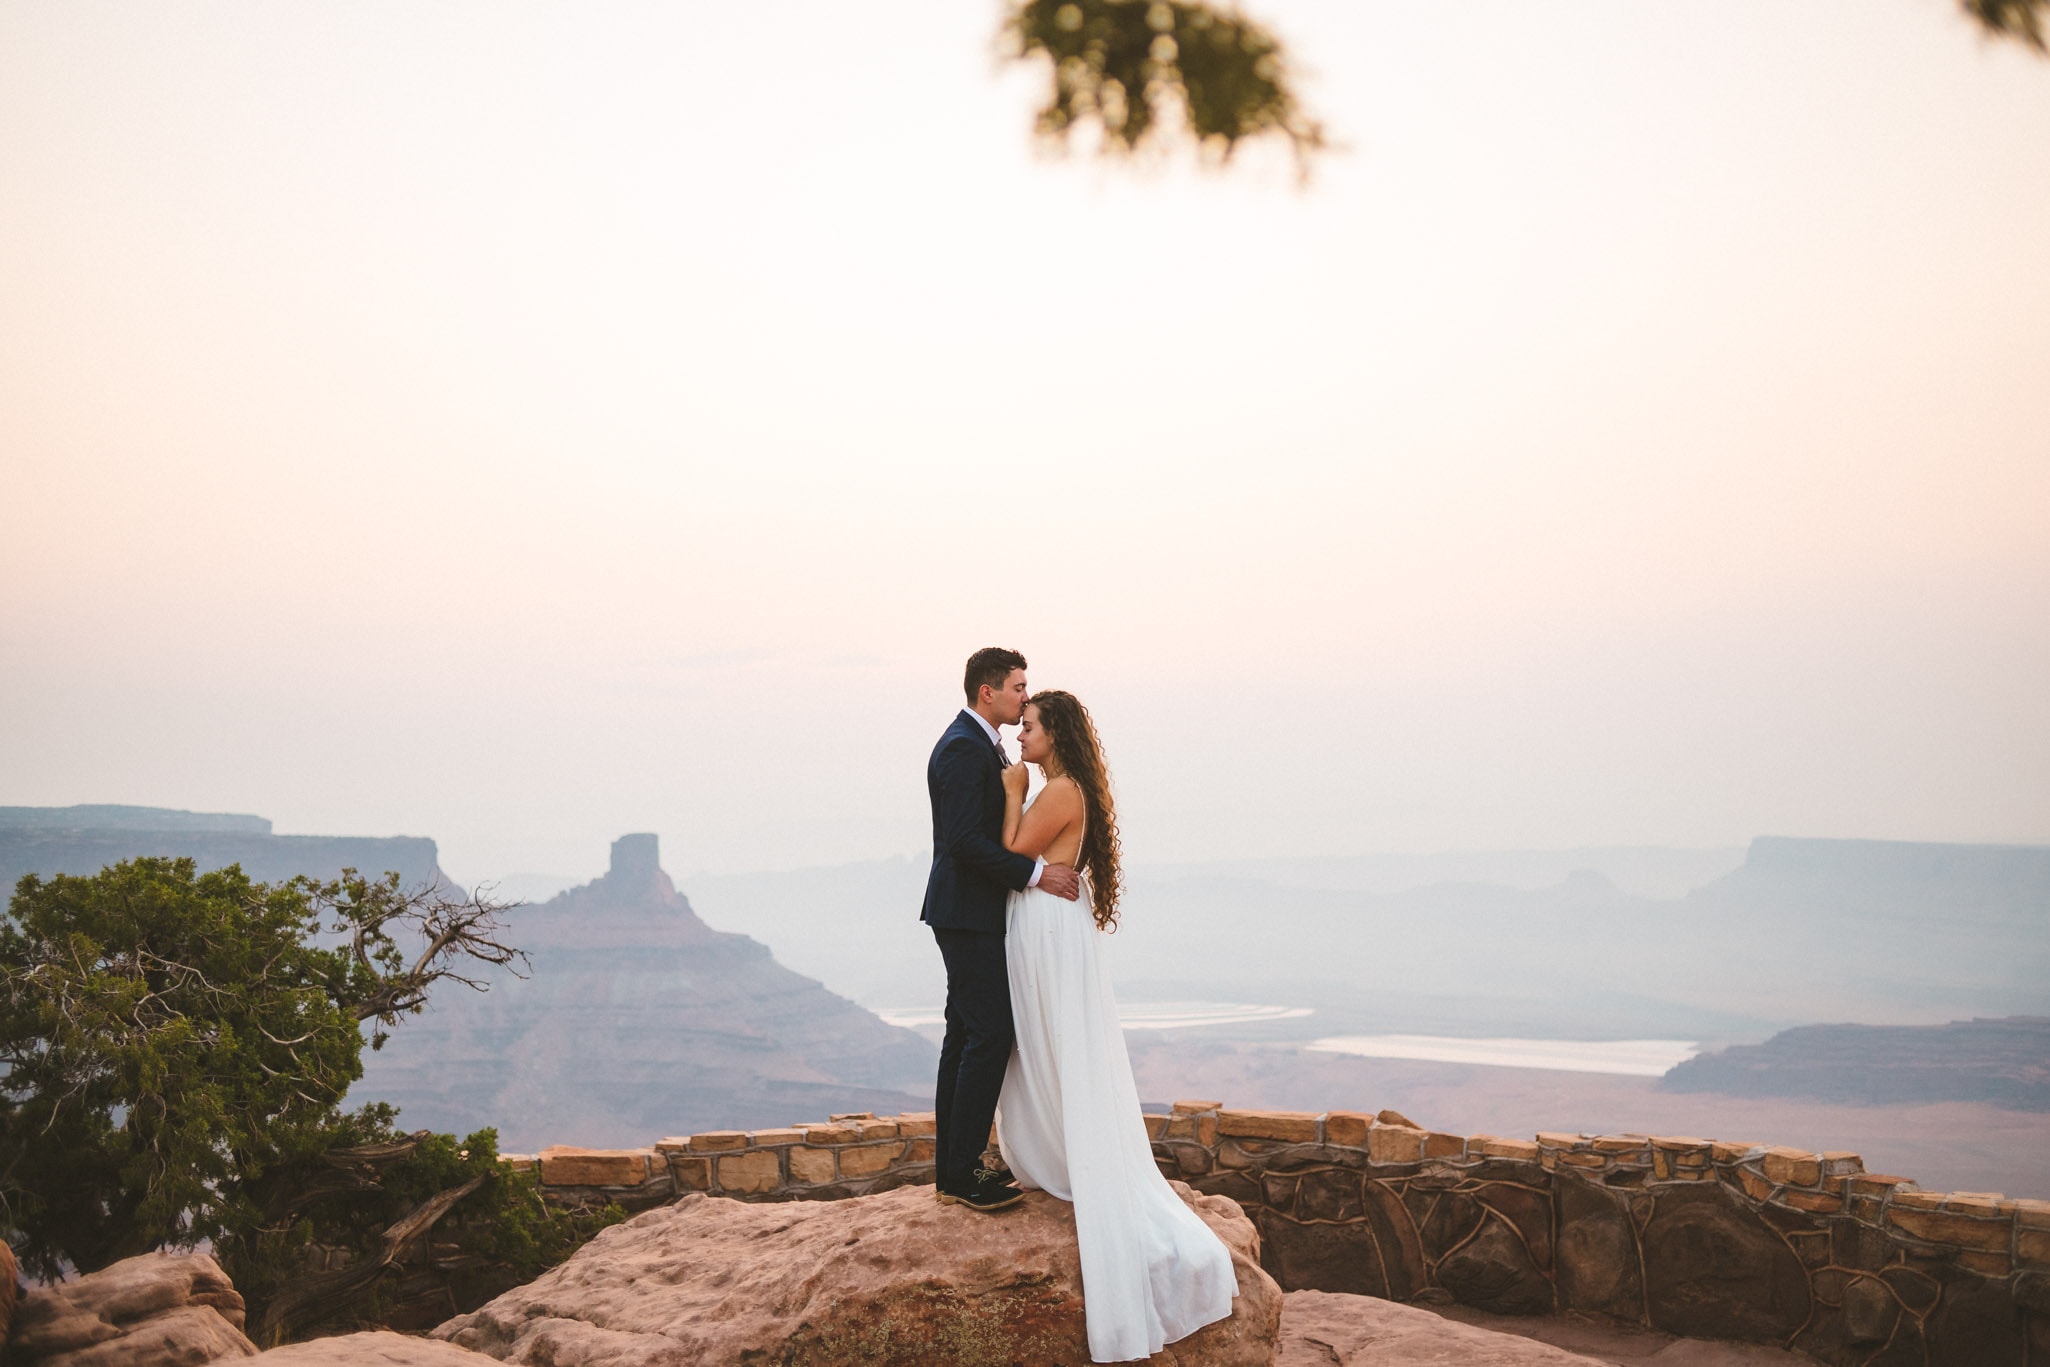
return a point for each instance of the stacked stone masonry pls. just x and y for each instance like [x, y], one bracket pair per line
[1704, 1238]
[847, 1155]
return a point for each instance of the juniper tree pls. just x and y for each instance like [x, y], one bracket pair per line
[2021, 20]
[172, 1038]
[1149, 72]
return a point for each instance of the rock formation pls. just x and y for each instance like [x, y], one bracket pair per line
[157, 1310]
[638, 1018]
[2004, 1061]
[896, 1278]
[1330, 1329]
[1856, 928]
[84, 840]
[1318, 1329]
[109, 816]
[1671, 1234]
[1806, 930]
[378, 1348]
[10, 1290]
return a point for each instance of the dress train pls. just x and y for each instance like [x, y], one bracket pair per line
[1068, 1123]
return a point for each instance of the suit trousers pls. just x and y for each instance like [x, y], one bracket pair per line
[974, 1053]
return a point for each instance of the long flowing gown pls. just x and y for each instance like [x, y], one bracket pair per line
[1068, 1123]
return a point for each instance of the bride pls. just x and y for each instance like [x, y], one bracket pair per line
[1068, 1120]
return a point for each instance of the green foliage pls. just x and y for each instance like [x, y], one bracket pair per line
[176, 1047]
[2021, 20]
[499, 1236]
[1131, 65]
[165, 1034]
[505, 1223]
[172, 1039]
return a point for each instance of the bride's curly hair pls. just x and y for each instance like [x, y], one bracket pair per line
[1078, 754]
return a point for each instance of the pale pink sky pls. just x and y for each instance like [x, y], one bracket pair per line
[524, 423]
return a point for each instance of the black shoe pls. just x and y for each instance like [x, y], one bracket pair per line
[990, 1196]
[981, 1177]
[991, 1192]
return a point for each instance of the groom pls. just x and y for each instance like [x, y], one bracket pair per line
[972, 875]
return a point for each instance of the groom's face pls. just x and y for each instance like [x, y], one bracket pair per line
[1008, 702]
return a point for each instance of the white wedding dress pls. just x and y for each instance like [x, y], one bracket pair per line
[1068, 1123]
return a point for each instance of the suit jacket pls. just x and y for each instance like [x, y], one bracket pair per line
[972, 872]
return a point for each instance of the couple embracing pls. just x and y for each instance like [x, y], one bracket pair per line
[1020, 896]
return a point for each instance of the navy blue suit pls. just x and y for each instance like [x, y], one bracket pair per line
[965, 895]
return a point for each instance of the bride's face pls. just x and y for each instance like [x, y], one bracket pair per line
[1034, 744]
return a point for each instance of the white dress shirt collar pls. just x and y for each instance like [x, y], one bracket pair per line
[983, 722]
[1038, 865]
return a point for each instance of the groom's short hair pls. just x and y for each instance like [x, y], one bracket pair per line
[991, 665]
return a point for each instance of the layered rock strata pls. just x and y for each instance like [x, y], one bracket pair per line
[156, 1310]
[636, 1014]
[84, 840]
[1996, 1061]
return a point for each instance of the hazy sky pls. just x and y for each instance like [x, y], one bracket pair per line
[524, 423]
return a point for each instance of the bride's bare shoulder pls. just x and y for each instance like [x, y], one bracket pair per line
[1064, 793]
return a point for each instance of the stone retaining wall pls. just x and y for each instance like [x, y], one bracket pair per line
[846, 1155]
[1704, 1238]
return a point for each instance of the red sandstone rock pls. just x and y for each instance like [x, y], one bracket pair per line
[1395, 1144]
[1326, 1329]
[379, 1349]
[1346, 1127]
[1298, 1127]
[10, 1287]
[895, 1278]
[565, 1166]
[158, 1310]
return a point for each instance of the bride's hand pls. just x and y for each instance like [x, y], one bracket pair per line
[1016, 780]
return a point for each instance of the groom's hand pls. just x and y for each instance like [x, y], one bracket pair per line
[1061, 881]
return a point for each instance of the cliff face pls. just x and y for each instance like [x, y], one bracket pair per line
[2005, 1062]
[1871, 885]
[639, 1019]
[1899, 930]
[84, 840]
[115, 817]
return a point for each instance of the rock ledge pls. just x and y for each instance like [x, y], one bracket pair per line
[156, 1310]
[895, 1278]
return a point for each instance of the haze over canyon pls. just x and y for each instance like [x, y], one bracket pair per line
[1489, 991]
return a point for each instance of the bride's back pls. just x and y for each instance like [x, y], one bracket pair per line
[1062, 798]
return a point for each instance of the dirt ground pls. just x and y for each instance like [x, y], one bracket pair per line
[1951, 1146]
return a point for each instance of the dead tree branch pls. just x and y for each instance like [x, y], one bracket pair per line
[320, 1296]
